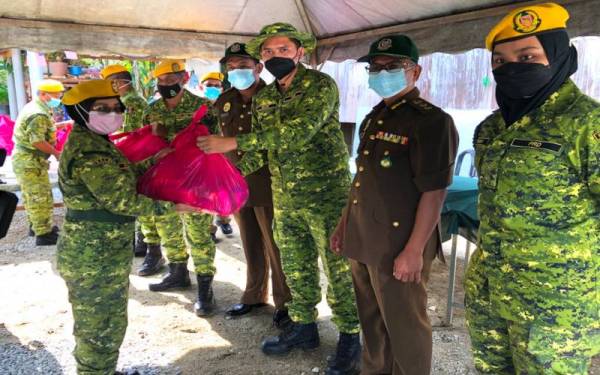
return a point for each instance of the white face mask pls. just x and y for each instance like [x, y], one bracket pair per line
[105, 123]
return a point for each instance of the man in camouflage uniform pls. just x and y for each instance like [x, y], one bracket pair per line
[532, 296]
[35, 137]
[94, 254]
[132, 120]
[296, 120]
[168, 116]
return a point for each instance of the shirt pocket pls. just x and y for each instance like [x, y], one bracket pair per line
[535, 167]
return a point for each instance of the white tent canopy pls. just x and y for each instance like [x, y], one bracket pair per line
[203, 28]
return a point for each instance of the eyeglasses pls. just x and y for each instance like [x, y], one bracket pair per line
[395, 65]
[107, 109]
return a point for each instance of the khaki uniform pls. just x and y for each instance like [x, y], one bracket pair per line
[255, 220]
[405, 150]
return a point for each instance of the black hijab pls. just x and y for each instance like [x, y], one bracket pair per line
[563, 63]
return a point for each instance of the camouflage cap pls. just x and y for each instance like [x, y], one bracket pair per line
[236, 49]
[393, 45]
[307, 40]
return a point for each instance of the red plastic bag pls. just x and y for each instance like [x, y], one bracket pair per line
[62, 135]
[7, 127]
[139, 144]
[188, 175]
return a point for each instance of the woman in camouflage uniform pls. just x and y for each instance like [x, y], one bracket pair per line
[94, 250]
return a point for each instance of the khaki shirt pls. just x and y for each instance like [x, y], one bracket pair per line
[405, 150]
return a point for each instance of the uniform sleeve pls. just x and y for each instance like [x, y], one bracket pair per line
[251, 162]
[135, 111]
[38, 128]
[317, 107]
[114, 186]
[433, 152]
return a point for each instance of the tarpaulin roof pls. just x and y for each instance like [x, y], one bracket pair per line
[203, 28]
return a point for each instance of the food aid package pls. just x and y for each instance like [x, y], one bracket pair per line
[6, 132]
[188, 175]
[139, 144]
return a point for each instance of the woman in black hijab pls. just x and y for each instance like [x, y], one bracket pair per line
[531, 290]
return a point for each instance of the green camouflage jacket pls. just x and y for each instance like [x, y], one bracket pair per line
[34, 124]
[94, 175]
[300, 130]
[135, 106]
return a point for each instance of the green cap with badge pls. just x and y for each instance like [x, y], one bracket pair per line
[236, 49]
[393, 45]
[307, 40]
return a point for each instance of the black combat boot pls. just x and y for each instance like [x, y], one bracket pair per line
[178, 277]
[31, 233]
[139, 246]
[346, 360]
[295, 335]
[281, 319]
[47, 239]
[153, 261]
[206, 298]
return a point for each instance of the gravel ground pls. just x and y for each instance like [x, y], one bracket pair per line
[164, 336]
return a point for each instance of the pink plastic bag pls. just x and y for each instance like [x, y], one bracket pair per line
[139, 144]
[7, 127]
[61, 136]
[188, 175]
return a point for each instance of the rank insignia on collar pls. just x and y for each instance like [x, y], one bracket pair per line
[596, 136]
[226, 107]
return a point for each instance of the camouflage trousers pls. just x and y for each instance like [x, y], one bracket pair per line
[302, 236]
[147, 226]
[520, 345]
[94, 259]
[177, 233]
[32, 175]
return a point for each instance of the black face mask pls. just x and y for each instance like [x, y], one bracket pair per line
[169, 91]
[523, 87]
[522, 80]
[280, 67]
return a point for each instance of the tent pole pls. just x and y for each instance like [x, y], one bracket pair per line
[19, 80]
[314, 57]
[12, 96]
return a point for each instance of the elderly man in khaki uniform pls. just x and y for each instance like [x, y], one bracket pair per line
[389, 226]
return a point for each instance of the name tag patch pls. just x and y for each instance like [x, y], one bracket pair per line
[539, 145]
[391, 137]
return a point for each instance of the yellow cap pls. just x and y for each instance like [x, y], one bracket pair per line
[112, 69]
[213, 75]
[527, 21]
[168, 66]
[50, 85]
[97, 88]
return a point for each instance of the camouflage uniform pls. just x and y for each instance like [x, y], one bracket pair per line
[94, 249]
[134, 113]
[532, 293]
[308, 160]
[193, 229]
[30, 165]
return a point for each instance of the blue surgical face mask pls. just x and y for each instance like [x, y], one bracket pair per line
[241, 79]
[212, 93]
[387, 84]
[53, 102]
